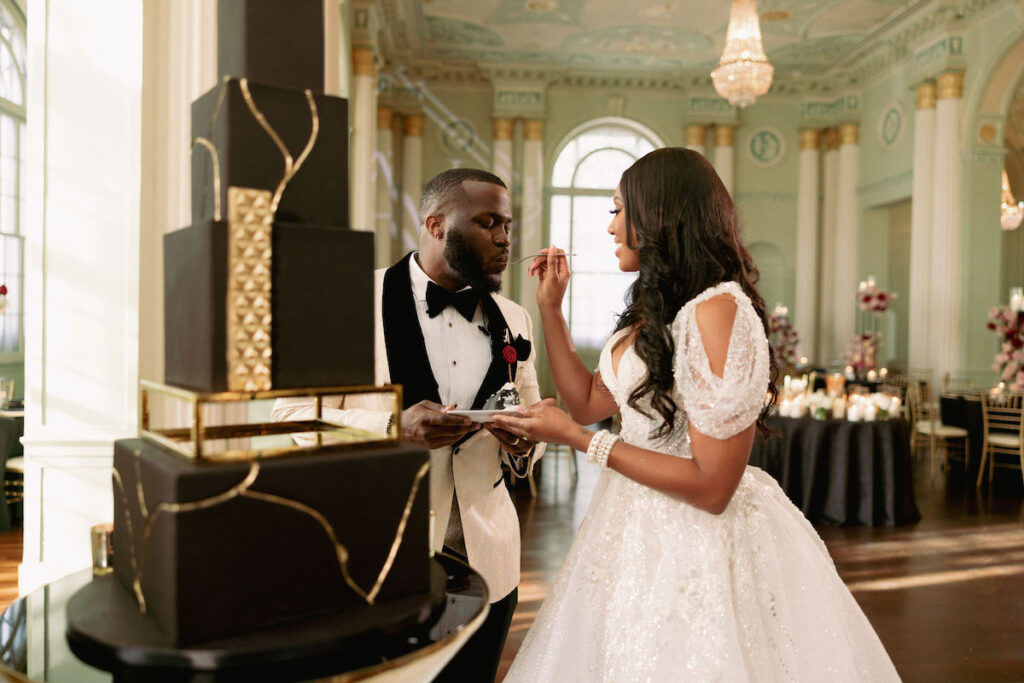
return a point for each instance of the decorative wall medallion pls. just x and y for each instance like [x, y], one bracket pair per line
[766, 146]
[890, 125]
[457, 136]
[987, 132]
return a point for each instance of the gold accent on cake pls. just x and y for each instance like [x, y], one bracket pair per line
[696, 133]
[189, 440]
[533, 129]
[950, 86]
[384, 117]
[291, 166]
[412, 127]
[925, 96]
[503, 129]
[215, 160]
[132, 561]
[725, 136]
[849, 133]
[810, 139]
[248, 313]
[243, 489]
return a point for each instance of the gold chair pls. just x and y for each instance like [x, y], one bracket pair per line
[14, 480]
[1003, 417]
[926, 427]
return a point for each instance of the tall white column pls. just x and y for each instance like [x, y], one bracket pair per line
[531, 231]
[696, 137]
[806, 314]
[829, 347]
[919, 302]
[363, 110]
[387, 189]
[944, 337]
[845, 264]
[502, 162]
[412, 180]
[725, 153]
[502, 167]
[82, 261]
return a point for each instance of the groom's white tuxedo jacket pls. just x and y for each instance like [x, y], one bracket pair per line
[471, 470]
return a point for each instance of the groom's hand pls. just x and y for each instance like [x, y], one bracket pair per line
[514, 445]
[426, 424]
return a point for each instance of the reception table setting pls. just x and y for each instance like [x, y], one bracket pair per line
[842, 458]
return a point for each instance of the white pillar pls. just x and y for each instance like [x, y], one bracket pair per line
[531, 231]
[412, 181]
[845, 264]
[919, 302]
[502, 163]
[696, 137]
[363, 108]
[386, 188]
[829, 347]
[806, 314]
[725, 154]
[82, 262]
[944, 333]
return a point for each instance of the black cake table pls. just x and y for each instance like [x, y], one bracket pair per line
[34, 642]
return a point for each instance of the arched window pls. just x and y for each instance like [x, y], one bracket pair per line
[12, 162]
[587, 169]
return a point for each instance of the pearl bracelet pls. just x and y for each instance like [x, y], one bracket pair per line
[601, 447]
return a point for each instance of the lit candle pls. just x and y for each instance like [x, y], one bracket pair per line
[1016, 300]
[853, 412]
[894, 407]
[870, 411]
[883, 373]
[838, 408]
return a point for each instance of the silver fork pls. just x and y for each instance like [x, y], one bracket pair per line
[536, 255]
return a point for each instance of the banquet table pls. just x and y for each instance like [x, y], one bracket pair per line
[839, 472]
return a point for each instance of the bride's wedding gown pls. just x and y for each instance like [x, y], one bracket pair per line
[654, 589]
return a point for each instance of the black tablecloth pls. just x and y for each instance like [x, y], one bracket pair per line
[965, 411]
[11, 429]
[840, 472]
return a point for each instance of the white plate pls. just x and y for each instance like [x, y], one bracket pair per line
[482, 415]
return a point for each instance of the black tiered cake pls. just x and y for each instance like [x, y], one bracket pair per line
[267, 290]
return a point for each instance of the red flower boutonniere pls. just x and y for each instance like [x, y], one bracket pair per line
[509, 354]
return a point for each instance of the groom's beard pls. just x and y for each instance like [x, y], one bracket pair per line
[468, 264]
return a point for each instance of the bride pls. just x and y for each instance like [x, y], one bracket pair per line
[689, 565]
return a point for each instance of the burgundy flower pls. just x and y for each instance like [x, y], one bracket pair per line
[991, 326]
[1017, 342]
[509, 354]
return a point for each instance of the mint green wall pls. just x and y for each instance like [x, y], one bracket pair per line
[469, 104]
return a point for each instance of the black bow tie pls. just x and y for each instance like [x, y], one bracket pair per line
[439, 298]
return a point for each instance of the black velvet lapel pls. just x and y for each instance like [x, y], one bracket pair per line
[403, 338]
[498, 372]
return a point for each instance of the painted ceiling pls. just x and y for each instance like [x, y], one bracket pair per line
[801, 37]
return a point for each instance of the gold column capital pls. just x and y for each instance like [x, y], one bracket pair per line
[533, 129]
[363, 62]
[925, 95]
[950, 86]
[503, 129]
[384, 117]
[725, 136]
[831, 136]
[413, 126]
[849, 134]
[810, 138]
[696, 133]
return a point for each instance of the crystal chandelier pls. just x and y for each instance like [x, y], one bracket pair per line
[743, 74]
[1012, 212]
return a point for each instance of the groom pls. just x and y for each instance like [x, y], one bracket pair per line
[447, 337]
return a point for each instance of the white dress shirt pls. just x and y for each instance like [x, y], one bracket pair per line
[459, 350]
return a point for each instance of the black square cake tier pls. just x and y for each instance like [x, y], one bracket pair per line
[249, 156]
[321, 307]
[222, 549]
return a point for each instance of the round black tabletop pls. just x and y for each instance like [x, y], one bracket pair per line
[34, 646]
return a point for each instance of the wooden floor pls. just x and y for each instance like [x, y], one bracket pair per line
[946, 595]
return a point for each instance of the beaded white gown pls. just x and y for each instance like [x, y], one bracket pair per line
[654, 589]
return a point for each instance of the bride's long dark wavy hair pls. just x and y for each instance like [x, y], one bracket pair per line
[688, 239]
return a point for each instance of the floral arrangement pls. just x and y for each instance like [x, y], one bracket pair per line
[783, 338]
[862, 352]
[872, 298]
[1009, 362]
[3, 297]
